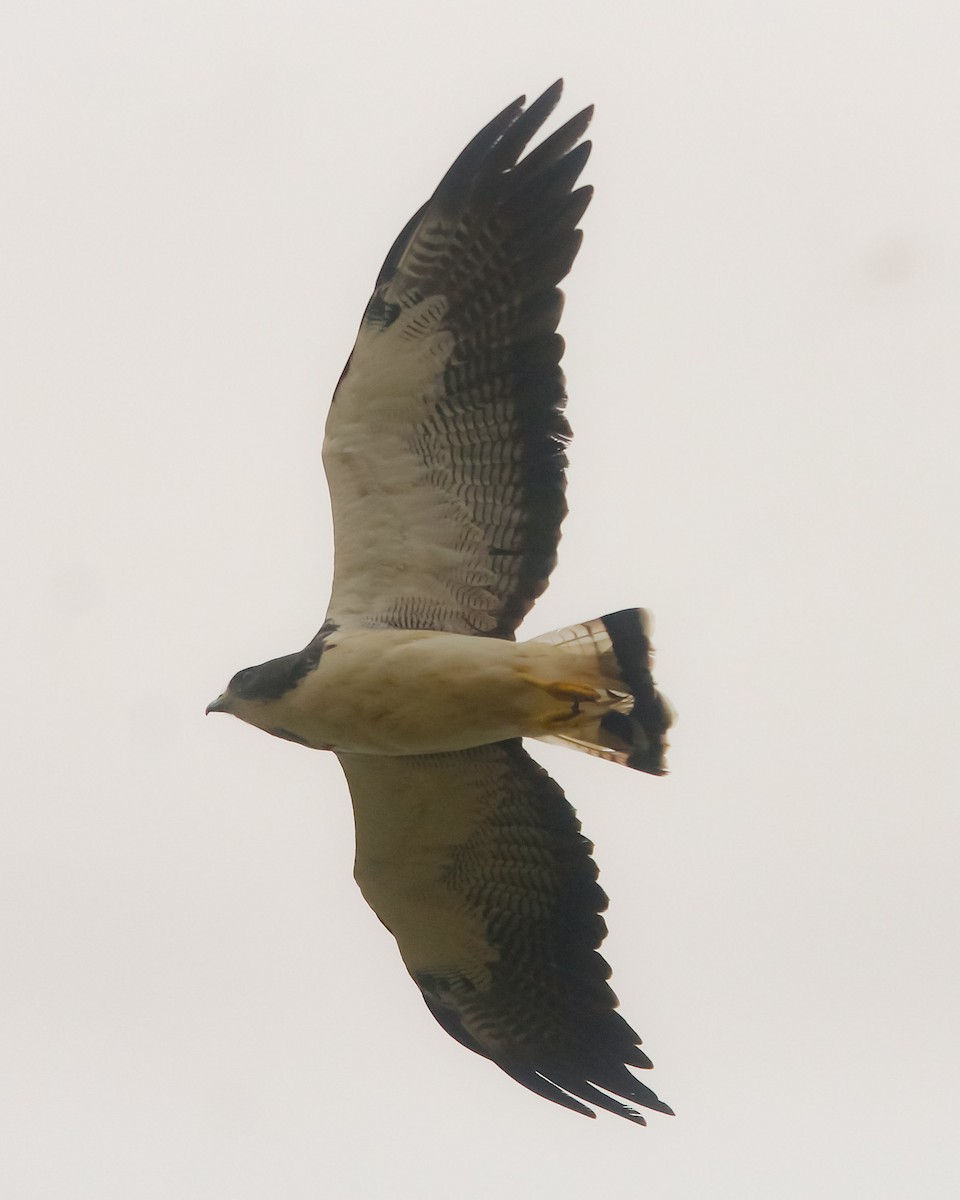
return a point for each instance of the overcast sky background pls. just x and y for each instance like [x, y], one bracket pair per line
[762, 363]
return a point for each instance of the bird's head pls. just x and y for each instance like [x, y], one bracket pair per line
[257, 694]
[246, 693]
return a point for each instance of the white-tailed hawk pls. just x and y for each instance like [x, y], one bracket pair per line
[445, 452]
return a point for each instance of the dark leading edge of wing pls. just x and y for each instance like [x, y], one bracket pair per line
[495, 239]
[515, 873]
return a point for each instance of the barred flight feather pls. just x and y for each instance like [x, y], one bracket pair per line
[473, 278]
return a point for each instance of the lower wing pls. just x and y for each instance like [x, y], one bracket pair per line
[475, 863]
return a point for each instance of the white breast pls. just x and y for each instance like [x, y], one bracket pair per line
[416, 692]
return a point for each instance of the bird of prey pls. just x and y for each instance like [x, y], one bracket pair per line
[445, 455]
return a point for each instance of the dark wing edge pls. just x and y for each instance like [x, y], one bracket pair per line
[503, 864]
[495, 239]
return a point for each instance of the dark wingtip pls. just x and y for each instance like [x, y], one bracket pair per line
[544, 105]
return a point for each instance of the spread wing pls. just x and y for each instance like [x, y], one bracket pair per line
[475, 863]
[444, 447]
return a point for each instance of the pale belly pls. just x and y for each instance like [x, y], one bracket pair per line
[424, 692]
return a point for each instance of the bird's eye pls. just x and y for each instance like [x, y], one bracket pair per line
[241, 678]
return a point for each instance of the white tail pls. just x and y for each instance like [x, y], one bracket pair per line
[632, 728]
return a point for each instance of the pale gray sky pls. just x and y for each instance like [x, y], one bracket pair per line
[763, 369]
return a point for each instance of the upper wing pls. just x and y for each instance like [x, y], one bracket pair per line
[444, 447]
[475, 863]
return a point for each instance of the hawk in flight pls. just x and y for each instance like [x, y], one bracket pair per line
[445, 457]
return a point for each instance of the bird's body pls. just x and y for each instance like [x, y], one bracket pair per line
[445, 458]
[420, 691]
[416, 691]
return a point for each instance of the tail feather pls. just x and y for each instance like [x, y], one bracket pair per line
[631, 728]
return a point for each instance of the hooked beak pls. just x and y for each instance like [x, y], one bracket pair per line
[221, 704]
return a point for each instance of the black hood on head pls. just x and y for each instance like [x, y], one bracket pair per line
[273, 679]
